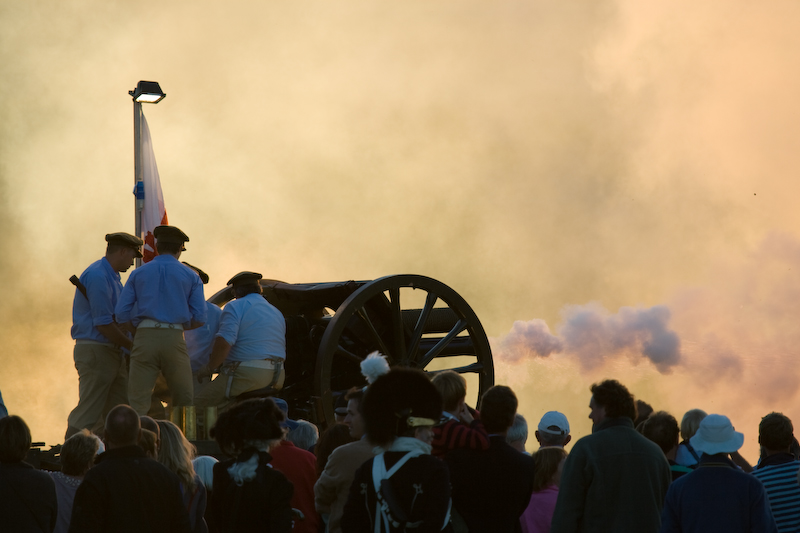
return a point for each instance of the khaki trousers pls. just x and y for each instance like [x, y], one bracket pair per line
[244, 379]
[159, 350]
[102, 384]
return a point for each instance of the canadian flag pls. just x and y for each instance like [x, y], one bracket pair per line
[154, 213]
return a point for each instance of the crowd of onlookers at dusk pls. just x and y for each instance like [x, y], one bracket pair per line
[408, 454]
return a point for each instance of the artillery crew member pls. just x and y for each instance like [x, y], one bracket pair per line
[101, 366]
[250, 346]
[161, 300]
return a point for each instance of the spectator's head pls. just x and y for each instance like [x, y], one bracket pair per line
[643, 410]
[204, 468]
[340, 408]
[716, 435]
[304, 436]
[176, 453]
[662, 428]
[78, 453]
[354, 418]
[775, 433]
[333, 437]
[517, 435]
[147, 442]
[553, 430]
[453, 388]
[691, 422]
[498, 407]
[15, 439]
[254, 423]
[401, 403]
[149, 423]
[122, 427]
[548, 463]
[611, 399]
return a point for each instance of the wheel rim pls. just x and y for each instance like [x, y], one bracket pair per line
[444, 329]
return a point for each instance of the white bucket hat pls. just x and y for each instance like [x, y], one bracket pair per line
[716, 435]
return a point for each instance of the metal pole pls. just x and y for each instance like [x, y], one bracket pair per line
[137, 169]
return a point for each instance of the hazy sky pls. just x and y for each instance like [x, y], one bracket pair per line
[552, 162]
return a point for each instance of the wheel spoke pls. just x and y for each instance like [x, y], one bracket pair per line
[362, 312]
[474, 367]
[340, 350]
[460, 326]
[413, 346]
[398, 328]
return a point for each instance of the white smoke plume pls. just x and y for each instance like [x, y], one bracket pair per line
[593, 335]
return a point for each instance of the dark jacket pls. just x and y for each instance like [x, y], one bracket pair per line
[717, 498]
[260, 505]
[27, 499]
[421, 489]
[491, 488]
[613, 480]
[128, 492]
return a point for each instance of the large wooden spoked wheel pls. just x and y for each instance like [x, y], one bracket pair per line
[415, 321]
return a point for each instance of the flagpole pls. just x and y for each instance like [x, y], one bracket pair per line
[149, 92]
[138, 185]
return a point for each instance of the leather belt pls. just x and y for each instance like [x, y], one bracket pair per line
[150, 323]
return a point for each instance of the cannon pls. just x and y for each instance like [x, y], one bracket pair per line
[414, 320]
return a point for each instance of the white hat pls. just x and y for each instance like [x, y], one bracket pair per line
[716, 435]
[554, 423]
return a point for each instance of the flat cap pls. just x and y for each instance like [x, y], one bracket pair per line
[245, 278]
[170, 234]
[203, 275]
[125, 239]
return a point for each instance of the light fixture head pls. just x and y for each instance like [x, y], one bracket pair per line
[148, 92]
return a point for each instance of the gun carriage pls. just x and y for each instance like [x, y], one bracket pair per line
[415, 321]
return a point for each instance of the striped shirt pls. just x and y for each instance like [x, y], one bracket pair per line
[778, 473]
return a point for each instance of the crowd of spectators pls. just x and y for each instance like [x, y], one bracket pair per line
[410, 455]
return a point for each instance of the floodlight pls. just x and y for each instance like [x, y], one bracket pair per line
[148, 92]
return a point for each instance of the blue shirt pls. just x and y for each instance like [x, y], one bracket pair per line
[3, 410]
[103, 287]
[200, 341]
[163, 290]
[254, 329]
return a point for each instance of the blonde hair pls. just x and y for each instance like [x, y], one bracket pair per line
[453, 388]
[77, 453]
[690, 422]
[176, 453]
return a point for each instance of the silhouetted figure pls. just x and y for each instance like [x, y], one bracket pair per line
[662, 428]
[614, 479]
[492, 488]
[549, 463]
[27, 496]
[403, 488]
[248, 494]
[778, 470]
[126, 491]
[717, 496]
[77, 457]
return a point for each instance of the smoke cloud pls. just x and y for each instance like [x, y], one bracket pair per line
[592, 335]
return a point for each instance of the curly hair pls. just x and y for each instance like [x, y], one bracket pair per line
[775, 432]
[615, 398]
[256, 420]
[393, 398]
